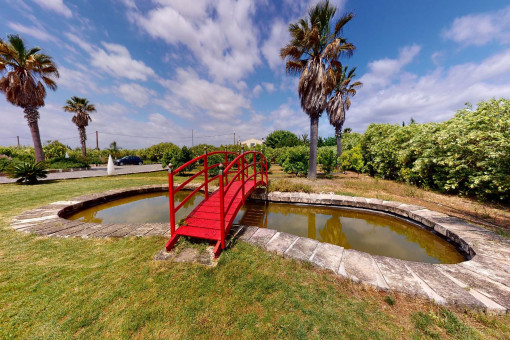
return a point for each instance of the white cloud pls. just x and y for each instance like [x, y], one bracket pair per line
[77, 81]
[278, 37]
[220, 34]
[199, 95]
[268, 86]
[383, 71]
[33, 31]
[116, 60]
[257, 90]
[56, 6]
[480, 29]
[432, 97]
[288, 118]
[135, 94]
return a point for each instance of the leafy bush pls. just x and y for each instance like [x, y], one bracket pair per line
[327, 159]
[27, 173]
[352, 159]
[4, 163]
[24, 153]
[468, 154]
[328, 141]
[54, 149]
[281, 138]
[350, 140]
[297, 161]
[178, 158]
[67, 163]
[156, 152]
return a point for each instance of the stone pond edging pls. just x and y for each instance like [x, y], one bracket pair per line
[482, 282]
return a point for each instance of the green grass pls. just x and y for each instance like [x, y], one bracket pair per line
[111, 288]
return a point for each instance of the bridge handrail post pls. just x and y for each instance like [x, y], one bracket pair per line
[254, 168]
[242, 171]
[206, 179]
[171, 199]
[226, 162]
[222, 212]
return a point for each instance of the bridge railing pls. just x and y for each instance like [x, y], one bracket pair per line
[205, 184]
[237, 169]
[242, 175]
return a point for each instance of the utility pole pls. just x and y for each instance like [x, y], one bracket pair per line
[97, 141]
[18, 142]
[191, 137]
[234, 138]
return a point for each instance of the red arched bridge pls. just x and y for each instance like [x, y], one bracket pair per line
[213, 217]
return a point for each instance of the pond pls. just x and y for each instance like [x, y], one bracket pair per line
[367, 231]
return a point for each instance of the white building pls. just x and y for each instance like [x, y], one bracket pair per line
[252, 142]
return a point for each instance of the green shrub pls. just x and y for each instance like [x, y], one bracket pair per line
[67, 163]
[27, 173]
[178, 158]
[327, 159]
[54, 149]
[156, 152]
[297, 161]
[468, 154]
[281, 138]
[4, 163]
[351, 159]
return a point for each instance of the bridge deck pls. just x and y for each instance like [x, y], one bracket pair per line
[204, 220]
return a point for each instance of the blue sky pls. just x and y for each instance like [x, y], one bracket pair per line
[156, 70]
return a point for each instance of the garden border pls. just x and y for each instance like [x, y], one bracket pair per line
[482, 282]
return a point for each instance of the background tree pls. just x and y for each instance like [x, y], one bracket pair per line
[81, 108]
[340, 101]
[27, 70]
[313, 46]
[281, 138]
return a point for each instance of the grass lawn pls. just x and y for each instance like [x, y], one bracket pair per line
[111, 288]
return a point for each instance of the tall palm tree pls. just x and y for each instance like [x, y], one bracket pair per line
[313, 46]
[340, 101]
[81, 109]
[24, 72]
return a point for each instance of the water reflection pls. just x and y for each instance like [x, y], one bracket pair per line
[372, 233]
[145, 208]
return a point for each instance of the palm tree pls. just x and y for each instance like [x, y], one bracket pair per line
[81, 109]
[312, 48]
[340, 101]
[22, 85]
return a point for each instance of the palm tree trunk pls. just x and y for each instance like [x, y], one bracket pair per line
[314, 135]
[32, 116]
[83, 138]
[338, 134]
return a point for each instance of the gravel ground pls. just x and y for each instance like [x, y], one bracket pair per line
[96, 172]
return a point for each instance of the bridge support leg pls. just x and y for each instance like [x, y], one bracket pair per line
[171, 243]
[217, 249]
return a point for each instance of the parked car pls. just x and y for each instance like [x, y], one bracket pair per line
[128, 160]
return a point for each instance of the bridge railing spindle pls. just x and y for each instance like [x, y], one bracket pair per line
[222, 212]
[171, 198]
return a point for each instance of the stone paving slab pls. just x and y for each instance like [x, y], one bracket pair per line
[302, 249]
[261, 237]
[327, 256]
[481, 282]
[445, 287]
[361, 267]
[280, 242]
[247, 232]
[398, 277]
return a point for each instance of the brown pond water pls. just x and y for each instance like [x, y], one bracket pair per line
[374, 233]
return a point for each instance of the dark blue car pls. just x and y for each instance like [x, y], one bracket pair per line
[128, 160]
